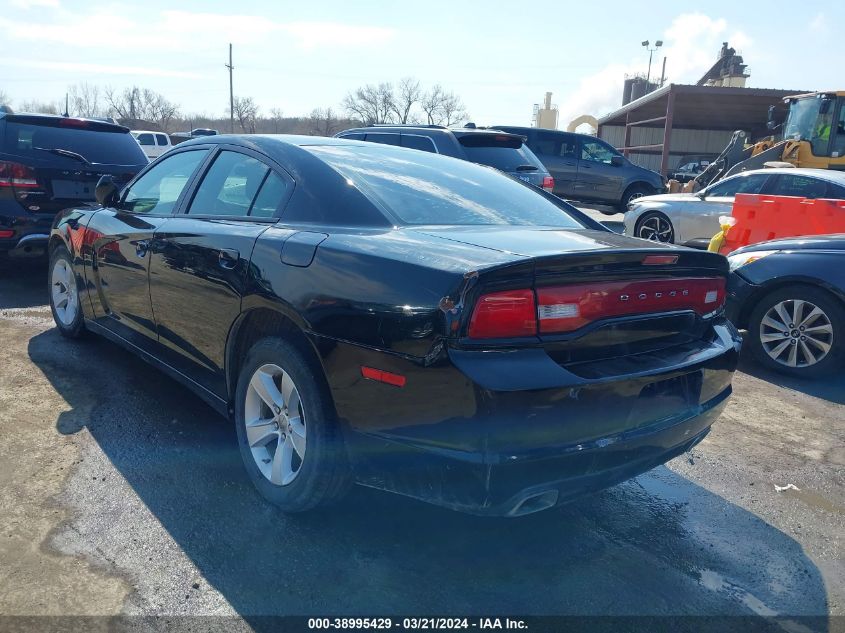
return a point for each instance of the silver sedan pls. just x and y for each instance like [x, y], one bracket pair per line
[693, 218]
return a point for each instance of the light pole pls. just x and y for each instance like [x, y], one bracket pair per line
[657, 45]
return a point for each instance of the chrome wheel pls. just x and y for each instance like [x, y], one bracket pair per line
[63, 292]
[275, 424]
[656, 228]
[796, 333]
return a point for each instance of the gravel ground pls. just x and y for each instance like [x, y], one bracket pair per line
[122, 493]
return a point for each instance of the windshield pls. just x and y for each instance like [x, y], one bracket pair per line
[96, 146]
[425, 189]
[810, 120]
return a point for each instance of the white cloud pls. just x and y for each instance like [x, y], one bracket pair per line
[183, 30]
[819, 24]
[96, 69]
[29, 4]
[691, 44]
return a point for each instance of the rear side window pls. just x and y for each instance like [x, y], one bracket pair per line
[354, 136]
[146, 139]
[161, 139]
[270, 197]
[96, 146]
[551, 144]
[506, 153]
[437, 190]
[384, 138]
[230, 186]
[156, 192]
[741, 184]
[835, 191]
[800, 186]
[415, 141]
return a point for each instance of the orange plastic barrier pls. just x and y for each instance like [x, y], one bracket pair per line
[760, 218]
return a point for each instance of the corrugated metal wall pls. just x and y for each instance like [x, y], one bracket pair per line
[683, 141]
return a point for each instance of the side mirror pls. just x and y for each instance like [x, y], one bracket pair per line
[106, 192]
[617, 161]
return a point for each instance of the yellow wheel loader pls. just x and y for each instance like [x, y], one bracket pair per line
[813, 135]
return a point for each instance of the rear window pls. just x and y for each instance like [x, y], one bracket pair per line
[506, 153]
[106, 148]
[437, 190]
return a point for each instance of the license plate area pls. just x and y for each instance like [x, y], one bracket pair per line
[665, 398]
[73, 189]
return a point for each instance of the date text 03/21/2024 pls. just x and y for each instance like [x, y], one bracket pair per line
[429, 623]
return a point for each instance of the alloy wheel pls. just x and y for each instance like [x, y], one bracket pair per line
[275, 424]
[796, 333]
[655, 228]
[63, 292]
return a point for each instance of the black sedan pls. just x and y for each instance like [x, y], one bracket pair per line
[405, 320]
[790, 295]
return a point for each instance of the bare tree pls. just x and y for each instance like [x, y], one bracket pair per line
[443, 108]
[408, 95]
[246, 112]
[371, 104]
[453, 110]
[141, 103]
[40, 107]
[323, 122]
[85, 100]
[5, 99]
[276, 117]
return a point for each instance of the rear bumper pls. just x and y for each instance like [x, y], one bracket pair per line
[31, 231]
[509, 453]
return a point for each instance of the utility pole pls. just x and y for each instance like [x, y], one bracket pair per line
[231, 93]
[663, 74]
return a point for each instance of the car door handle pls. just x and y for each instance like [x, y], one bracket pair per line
[228, 257]
[141, 248]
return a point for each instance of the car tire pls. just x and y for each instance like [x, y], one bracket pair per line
[63, 290]
[820, 352]
[656, 227]
[633, 192]
[305, 465]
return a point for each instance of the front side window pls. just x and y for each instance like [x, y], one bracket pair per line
[435, 190]
[230, 186]
[146, 139]
[800, 186]
[597, 151]
[156, 192]
[740, 184]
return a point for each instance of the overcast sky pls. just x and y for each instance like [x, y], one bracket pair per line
[499, 57]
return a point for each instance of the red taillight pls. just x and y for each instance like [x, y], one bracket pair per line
[568, 308]
[4, 233]
[17, 175]
[549, 184]
[506, 314]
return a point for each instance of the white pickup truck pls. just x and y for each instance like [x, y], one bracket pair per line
[154, 144]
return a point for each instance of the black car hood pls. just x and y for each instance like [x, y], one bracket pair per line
[803, 242]
[528, 241]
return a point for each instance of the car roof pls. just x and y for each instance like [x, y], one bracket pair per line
[836, 177]
[428, 129]
[39, 118]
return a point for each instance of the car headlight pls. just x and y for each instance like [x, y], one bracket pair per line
[743, 259]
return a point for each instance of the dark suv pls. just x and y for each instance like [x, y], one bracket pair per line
[49, 163]
[506, 152]
[587, 168]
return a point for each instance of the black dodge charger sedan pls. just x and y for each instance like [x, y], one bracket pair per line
[404, 320]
